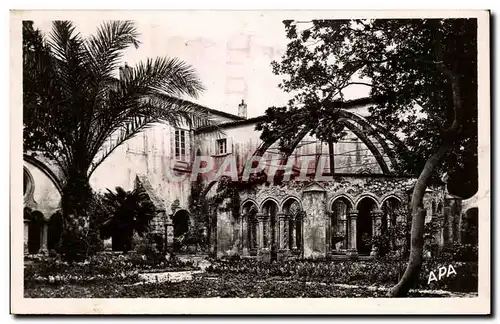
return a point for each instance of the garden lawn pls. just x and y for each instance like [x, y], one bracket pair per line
[205, 286]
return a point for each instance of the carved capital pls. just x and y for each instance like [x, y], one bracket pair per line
[377, 213]
[282, 216]
[352, 214]
[300, 215]
[261, 217]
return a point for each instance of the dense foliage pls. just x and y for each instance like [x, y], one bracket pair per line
[129, 212]
[404, 63]
[422, 76]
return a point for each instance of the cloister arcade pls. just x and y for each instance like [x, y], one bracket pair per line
[276, 227]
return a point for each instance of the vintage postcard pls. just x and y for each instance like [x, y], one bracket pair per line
[250, 162]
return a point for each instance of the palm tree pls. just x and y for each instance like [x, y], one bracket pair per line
[77, 111]
[129, 212]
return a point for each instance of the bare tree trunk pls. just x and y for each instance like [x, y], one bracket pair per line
[417, 226]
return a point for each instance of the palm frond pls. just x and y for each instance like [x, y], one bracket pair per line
[168, 75]
[106, 47]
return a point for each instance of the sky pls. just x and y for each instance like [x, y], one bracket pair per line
[232, 54]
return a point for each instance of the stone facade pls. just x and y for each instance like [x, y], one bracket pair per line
[267, 226]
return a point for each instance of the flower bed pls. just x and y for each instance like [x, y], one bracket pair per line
[100, 267]
[366, 273]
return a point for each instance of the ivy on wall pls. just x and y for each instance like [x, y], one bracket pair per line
[204, 209]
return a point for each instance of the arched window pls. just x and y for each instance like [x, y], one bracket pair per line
[338, 233]
[292, 208]
[270, 209]
[391, 208]
[249, 210]
[365, 225]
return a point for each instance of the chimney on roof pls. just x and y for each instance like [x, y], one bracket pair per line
[242, 109]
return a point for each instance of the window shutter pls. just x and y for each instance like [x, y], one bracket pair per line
[172, 143]
[214, 146]
[188, 146]
[229, 143]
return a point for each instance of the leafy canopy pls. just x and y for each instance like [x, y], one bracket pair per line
[406, 63]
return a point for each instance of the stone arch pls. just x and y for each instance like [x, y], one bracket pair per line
[366, 205]
[376, 131]
[45, 169]
[368, 142]
[289, 200]
[388, 196]
[54, 230]
[28, 185]
[367, 195]
[391, 208]
[360, 126]
[248, 202]
[340, 196]
[266, 200]
[336, 234]
[33, 230]
[249, 211]
[270, 208]
[293, 223]
[181, 222]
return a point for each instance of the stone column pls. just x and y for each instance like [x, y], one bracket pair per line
[261, 218]
[345, 232]
[293, 229]
[244, 233]
[352, 249]
[268, 229]
[169, 233]
[264, 237]
[283, 236]
[376, 230]
[43, 239]
[26, 235]
[254, 236]
[376, 222]
[329, 232]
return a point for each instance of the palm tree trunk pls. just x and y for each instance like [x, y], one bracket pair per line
[76, 197]
[77, 194]
[417, 226]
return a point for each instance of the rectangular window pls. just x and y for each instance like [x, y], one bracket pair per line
[181, 137]
[221, 146]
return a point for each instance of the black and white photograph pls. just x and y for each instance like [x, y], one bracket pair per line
[245, 162]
